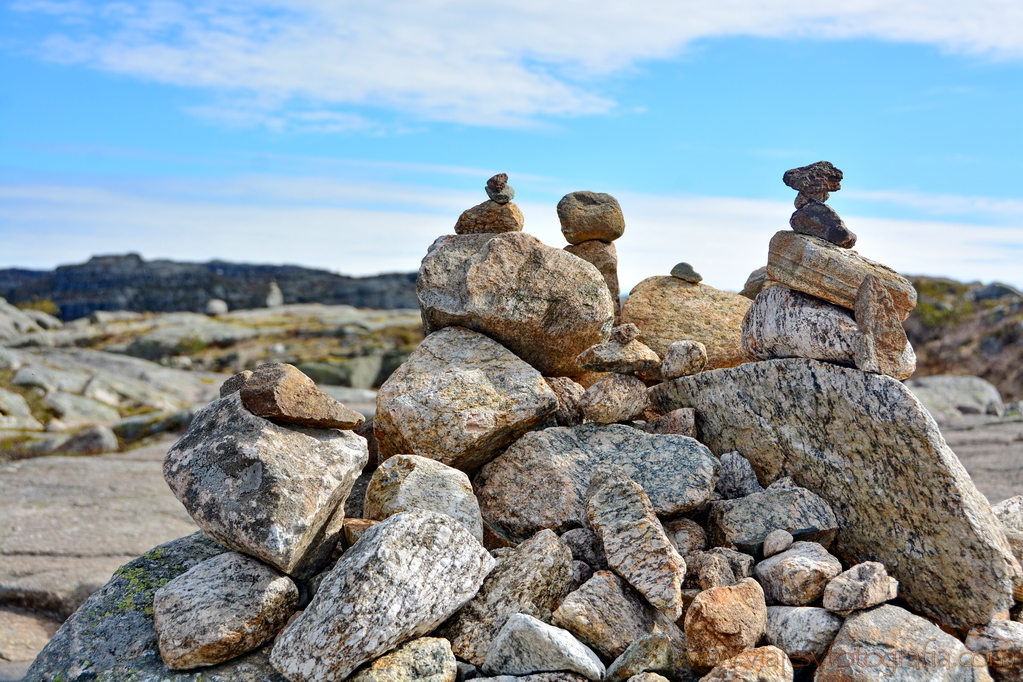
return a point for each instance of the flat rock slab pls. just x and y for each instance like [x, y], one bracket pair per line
[745, 522]
[866, 445]
[280, 391]
[540, 481]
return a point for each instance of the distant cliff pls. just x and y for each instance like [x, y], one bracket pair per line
[128, 282]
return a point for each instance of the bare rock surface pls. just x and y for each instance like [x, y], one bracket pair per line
[763, 664]
[719, 567]
[539, 482]
[797, 576]
[459, 399]
[281, 392]
[654, 653]
[526, 645]
[613, 356]
[568, 393]
[603, 256]
[681, 422]
[23, 635]
[1000, 642]
[777, 541]
[722, 622]
[848, 436]
[668, 309]
[490, 217]
[687, 535]
[402, 580]
[862, 586]
[274, 491]
[744, 522]
[542, 303]
[803, 632]
[590, 215]
[682, 359]
[427, 659]
[737, 477]
[882, 340]
[615, 398]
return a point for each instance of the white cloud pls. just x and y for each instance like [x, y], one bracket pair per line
[460, 60]
[945, 204]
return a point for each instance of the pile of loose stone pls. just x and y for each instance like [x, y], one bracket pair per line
[545, 493]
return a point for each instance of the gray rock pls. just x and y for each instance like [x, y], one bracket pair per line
[615, 398]
[847, 435]
[586, 546]
[687, 535]
[898, 645]
[401, 580]
[530, 579]
[466, 671]
[682, 359]
[274, 491]
[427, 659]
[817, 219]
[79, 410]
[1000, 642]
[590, 215]
[803, 632]
[220, 609]
[719, 567]
[686, 273]
[613, 356]
[777, 541]
[635, 544]
[581, 572]
[862, 586]
[681, 422]
[544, 304]
[112, 637]
[137, 427]
[15, 413]
[178, 339]
[274, 296]
[459, 399]
[539, 482]
[603, 256]
[406, 482]
[92, 440]
[744, 522]
[568, 393]
[235, 383]
[526, 645]
[563, 676]
[882, 340]
[499, 190]
[737, 477]
[947, 397]
[216, 306]
[652, 653]
[797, 576]
[722, 622]
[1010, 512]
[754, 283]
[14, 322]
[763, 664]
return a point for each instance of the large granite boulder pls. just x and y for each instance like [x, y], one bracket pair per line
[273, 491]
[542, 303]
[541, 481]
[668, 309]
[459, 399]
[870, 449]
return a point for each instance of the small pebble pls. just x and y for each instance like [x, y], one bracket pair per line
[684, 271]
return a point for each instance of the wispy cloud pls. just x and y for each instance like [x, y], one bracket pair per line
[294, 62]
[946, 204]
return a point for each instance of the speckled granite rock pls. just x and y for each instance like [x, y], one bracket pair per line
[634, 542]
[754, 283]
[615, 398]
[1010, 512]
[819, 268]
[668, 309]
[586, 546]
[544, 304]
[235, 383]
[603, 256]
[406, 482]
[563, 676]
[1000, 642]
[609, 615]
[490, 217]
[803, 632]
[737, 477]
[459, 399]
[568, 393]
[718, 567]
[653, 653]
[581, 572]
[687, 535]
[722, 622]
[763, 664]
[902, 646]
[526, 645]
[681, 422]
[281, 392]
[590, 215]
[274, 491]
[531, 579]
[402, 580]
[797, 576]
[777, 541]
[817, 219]
[222, 608]
[427, 659]
[862, 586]
[848, 435]
[111, 637]
[539, 482]
[612, 356]
[882, 340]
[744, 522]
[682, 359]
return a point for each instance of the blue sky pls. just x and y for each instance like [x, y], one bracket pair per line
[348, 136]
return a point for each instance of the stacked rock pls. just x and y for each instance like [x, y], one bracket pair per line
[819, 299]
[498, 214]
[591, 222]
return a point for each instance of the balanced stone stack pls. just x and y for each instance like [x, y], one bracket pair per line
[591, 222]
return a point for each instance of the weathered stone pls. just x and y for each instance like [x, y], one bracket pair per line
[562, 676]
[848, 435]
[544, 304]
[764, 664]
[530, 579]
[681, 422]
[568, 394]
[581, 572]
[783, 323]
[491, 217]
[722, 622]
[406, 482]
[814, 179]
[803, 632]
[744, 522]
[612, 356]
[1000, 642]
[402, 580]
[668, 309]
[15, 413]
[862, 586]
[526, 645]
[603, 256]
[222, 608]
[459, 399]
[653, 653]
[634, 542]
[78, 410]
[804, 198]
[625, 333]
[615, 398]
[137, 427]
[92, 440]
[819, 268]
[354, 529]
[281, 392]
[777, 541]
[1010, 512]
[817, 219]
[539, 482]
[274, 491]
[687, 535]
[948, 397]
[891, 642]
[609, 615]
[754, 283]
[682, 359]
[112, 636]
[737, 477]
[797, 576]
[590, 215]
[648, 677]
[427, 659]
[882, 340]
[685, 272]
[719, 567]
[586, 546]
[499, 190]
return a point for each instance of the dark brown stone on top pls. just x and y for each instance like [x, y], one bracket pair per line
[234, 384]
[282, 392]
[498, 182]
[820, 220]
[814, 179]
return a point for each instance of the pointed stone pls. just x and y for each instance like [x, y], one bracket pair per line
[526, 645]
[882, 339]
[281, 392]
[817, 219]
[737, 477]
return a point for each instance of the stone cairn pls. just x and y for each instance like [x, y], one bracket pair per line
[713, 488]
